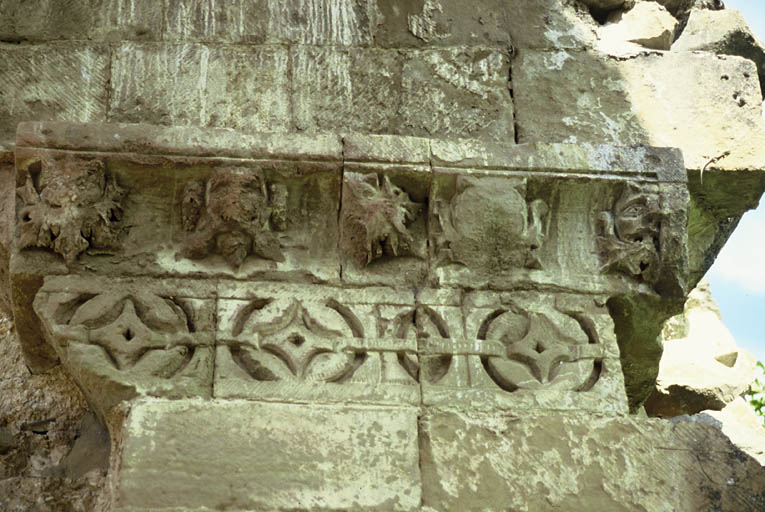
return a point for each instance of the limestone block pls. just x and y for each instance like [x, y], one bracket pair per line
[386, 185]
[548, 24]
[237, 21]
[239, 455]
[321, 22]
[452, 92]
[456, 92]
[647, 24]
[518, 350]
[710, 106]
[443, 23]
[317, 344]
[59, 82]
[120, 339]
[580, 462]
[99, 20]
[723, 32]
[702, 368]
[191, 84]
[743, 427]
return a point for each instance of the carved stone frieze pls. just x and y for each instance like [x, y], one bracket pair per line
[236, 213]
[521, 348]
[489, 224]
[69, 205]
[119, 339]
[629, 234]
[366, 269]
[376, 214]
[315, 342]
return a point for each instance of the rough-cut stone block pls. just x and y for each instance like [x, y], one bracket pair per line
[321, 22]
[190, 84]
[723, 32]
[457, 92]
[61, 82]
[580, 462]
[710, 107]
[99, 20]
[238, 455]
[519, 351]
[442, 23]
[235, 21]
[550, 24]
[309, 343]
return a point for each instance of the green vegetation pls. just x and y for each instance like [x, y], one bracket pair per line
[756, 393]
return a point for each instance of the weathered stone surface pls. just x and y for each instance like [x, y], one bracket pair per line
[743, 427]
[647, 24]
[124, 339]
[40, 417]
[491, 351]
[547, 24]
[56, 82]
[191, 84]
[573, 462]
[322, 22]
[265, 456]
[442, 23]
[100, 20]
[235, 21]
[701, 367]
[723, 32]
[454, 92]
[710, 107]
[317, 344]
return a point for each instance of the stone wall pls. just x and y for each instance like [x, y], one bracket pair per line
[548, 91]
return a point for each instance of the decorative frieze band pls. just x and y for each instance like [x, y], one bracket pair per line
[297, 343]
[411, 211]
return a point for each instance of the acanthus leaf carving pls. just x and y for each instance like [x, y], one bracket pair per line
[234, 214]
[70, 206]
[376, 216]
[629, 235]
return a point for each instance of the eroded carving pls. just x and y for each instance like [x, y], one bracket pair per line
[69, 206]
[629, 234]
[542, 349]
[376, 214]
[490, 224]
[234, 214]
[296, 343]
[141, 332]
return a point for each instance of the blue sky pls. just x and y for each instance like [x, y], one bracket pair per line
[738, 275]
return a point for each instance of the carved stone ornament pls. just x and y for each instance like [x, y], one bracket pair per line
[119, 339]
[629, 235]
[234, 214]
[69, 206]
[490, 224]
[376, 214]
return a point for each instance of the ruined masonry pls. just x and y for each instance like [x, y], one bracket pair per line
[372, 255]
